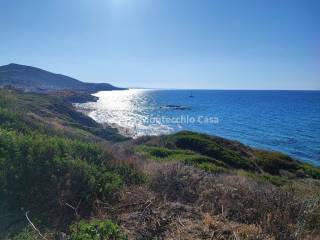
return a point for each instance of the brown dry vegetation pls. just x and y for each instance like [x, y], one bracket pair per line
[182, 202]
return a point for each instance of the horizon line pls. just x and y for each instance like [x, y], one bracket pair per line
[222, 89]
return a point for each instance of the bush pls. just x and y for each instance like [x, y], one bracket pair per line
[208, 146]
[26, 234]
[311, 171]
[130, 175]
[273, 162]
[43, 173]
[96, 230]
[176, 183]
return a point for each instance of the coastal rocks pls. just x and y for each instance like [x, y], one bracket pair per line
[74, 96]
[175, 107]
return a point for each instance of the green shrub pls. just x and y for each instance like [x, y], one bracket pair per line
[26, 234]
[130, 175]
[96, 230]
[209, 167]
[311, 171]
[207, 146]
[160, 152]
[11, 121]
[273, 162]
[43, 173]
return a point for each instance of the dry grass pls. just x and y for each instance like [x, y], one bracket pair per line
[185, 203]
[182, 202]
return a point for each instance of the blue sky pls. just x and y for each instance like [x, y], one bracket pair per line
[218, 44]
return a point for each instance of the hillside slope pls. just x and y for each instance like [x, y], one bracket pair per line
[76, 179]
[37, 80]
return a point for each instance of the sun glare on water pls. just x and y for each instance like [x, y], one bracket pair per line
[127, 110]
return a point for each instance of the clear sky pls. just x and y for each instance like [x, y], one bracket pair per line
[218, 44]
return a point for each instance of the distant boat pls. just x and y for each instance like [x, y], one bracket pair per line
[191, 95]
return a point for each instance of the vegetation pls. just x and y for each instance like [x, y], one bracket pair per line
[186, 156]
[62, 170]
[96, 230]
[26, 234]
[26, 112]
[78, 180]
[48, 166]
[229, 200]
[215, 154]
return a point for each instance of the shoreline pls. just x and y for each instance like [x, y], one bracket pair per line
[130, 132]
[86, 111]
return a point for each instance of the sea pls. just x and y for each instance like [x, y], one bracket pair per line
[286, 121]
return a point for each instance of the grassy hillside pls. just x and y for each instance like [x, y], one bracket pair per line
[73, 178]
[218, 155]
[48, 114]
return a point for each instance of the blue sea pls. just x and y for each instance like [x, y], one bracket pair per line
[286, 121]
